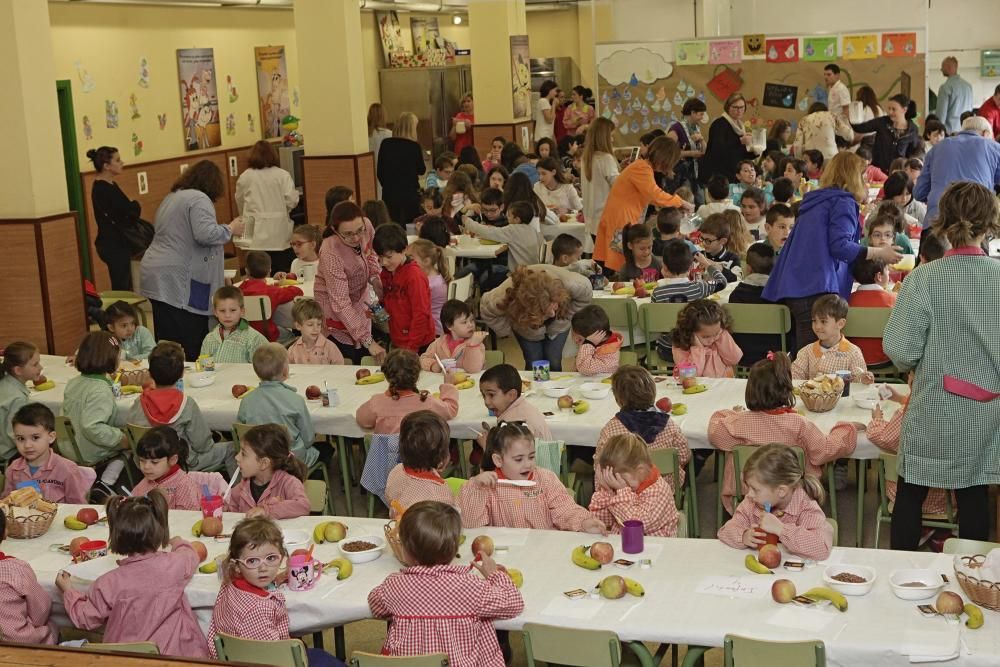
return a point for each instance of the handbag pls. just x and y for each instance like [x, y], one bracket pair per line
[138, 235]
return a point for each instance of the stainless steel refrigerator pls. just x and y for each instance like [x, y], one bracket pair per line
[432, 93]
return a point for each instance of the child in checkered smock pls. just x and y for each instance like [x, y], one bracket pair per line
[629, 487]
[162, 459]
[249, 605]
[434, 606]
[770, 416]
[423, 450]
[486, 499]
[831, 352]
[24, 604]
[598, 347]
[272, 477]
[783, 500]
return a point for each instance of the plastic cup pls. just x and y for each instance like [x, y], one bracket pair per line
[93, 549]
[541, 370]
[211, 506]
[846, 377]
[449, 365]
[632, 537]
[303, 572]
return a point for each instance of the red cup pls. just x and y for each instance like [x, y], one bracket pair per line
[93, 549]
[771, 538]
[211, 506]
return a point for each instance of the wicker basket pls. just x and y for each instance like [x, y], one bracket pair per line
[983, 592]
[820, 401]
[28, 527]
[392, 537]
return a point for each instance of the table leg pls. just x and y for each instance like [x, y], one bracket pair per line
[339, 645]
[642, 653]
[695, 656]
[345, 473]
[862, 482]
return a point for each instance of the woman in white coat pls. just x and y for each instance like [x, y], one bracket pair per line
[598, 172]
[265, 193]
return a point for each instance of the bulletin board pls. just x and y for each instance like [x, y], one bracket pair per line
[643, 86]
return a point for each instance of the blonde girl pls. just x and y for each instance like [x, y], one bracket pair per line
[782, 500]
[629, 487]
[510, 454]
[21, 364]
[432, 262]
[272, 477]
[143, 598]
[740, 237]
[702, 337]
[598, 170]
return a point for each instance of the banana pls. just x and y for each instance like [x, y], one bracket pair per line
[196, 528]
[466, 384]
[755, 565]
[975, 614]
[696, 389]
[823, 593]
[626, 291]
[606, 381]
[679, 409]
[131, 389]
[73, 523]
[650, 286]
[461, 538]
[581, 558]
[580, 407]
[634, 587]
[344, 568]
[371, 379]
[518, 578]
[48, 384]
[318, 530]
[211, 567]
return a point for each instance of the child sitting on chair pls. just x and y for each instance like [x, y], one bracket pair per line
[460, 342]
[831, 352]
[312, 347]
[234, 340]
[258, 270]
[598, 347]
[424, 455]
[24, 614]
[162, 459]
[59, 480]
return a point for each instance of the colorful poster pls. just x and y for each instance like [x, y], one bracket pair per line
[199, 99]
[860, 47]
[520, 76]
[782, 50]
[725, 52]
[780, 95]
[989, 63]
[426, 34]
[390, 34]
[817, 49]
[725, 82]
[753, 45]
[272, 89]
[899, 44]
[692, 53]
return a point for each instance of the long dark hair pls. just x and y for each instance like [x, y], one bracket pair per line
[271, 441]
[770, 384]
[518, 188]
[909, 106]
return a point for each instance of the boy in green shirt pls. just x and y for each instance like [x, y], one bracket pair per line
[234, 340]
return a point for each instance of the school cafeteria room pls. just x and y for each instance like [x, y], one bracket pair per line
[414, 333]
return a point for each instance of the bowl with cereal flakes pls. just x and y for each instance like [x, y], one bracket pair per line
[362, 549]
[850, 579]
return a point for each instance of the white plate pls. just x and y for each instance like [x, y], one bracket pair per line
[295, 537]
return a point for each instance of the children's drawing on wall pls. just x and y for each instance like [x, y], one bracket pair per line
[520, 76]
[633, 91]
[136, 144]
[133, 105]
[111, 114]
[88, 129]
[231, 89]
[86, 80]
[426, 34]
[199, 98]
[162, 119]
[251, 125]
[272, 88]
[144, 72]
[231, 125]
[391, 34]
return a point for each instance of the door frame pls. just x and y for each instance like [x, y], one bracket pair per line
[74, 185]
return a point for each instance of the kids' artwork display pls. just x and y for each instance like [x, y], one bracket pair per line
[753, 45]
[520, 76]
[426, 34]
[391, 34]
[692, 53]
[779, 95]
[899, 44]
[784, 50]
[199, 99]
[860, 47]
[989, 63]
[725, 52]
[819, 49]
[272, 89]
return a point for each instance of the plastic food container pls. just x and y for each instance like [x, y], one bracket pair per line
[366, 555]
[848, 588]
[595, 390]
[202, 379]
[931, 580]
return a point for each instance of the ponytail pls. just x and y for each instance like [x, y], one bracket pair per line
[631, 234]
[813, 488]
[428, 250]
[101, 156]
[272, 442]
[500, 437]
[138, 524]
[909, 106]
[15, 355]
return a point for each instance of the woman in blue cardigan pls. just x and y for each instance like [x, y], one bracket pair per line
[824, 242]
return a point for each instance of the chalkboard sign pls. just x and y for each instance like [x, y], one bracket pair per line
[780, 95]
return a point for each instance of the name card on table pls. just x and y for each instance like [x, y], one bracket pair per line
[732, 587]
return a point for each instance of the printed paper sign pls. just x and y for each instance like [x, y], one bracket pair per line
[725, 52]
[860, 47]
[899, 44]
[782, 50]
[817, 49]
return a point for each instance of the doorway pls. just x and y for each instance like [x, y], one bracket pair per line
[74, 186]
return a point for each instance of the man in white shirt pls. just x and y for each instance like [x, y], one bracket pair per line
[838, 97]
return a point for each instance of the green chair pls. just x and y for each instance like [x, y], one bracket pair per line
[623, 313]
[318, 497]
[493, 358]
[655, 319]
[836, 530]
[578, 648]
[148, 648]
[756, 318]
[887, 473]
[686, 496]
[362, 659]
[279, 653]
[368, 361]
[68, 448]
[956, 545]
[135, 433]
[747, 652]
[455, 484]
[870, 323]
[133, 299]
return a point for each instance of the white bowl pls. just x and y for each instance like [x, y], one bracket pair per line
[229, 273]
[595, 390]
[202, 379]
[295, 537]
[363, 556]
[932, 584]
[846, 588]
[866, 400]
[553, 390]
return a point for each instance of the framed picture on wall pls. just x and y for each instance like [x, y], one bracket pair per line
[199, 99]
[272, 89]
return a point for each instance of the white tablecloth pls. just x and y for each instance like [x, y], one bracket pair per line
[219, 407]
[876, 629]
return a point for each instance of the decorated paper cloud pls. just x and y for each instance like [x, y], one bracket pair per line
[643, 64]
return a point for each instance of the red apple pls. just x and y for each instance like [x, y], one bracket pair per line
[200, 549]
[482, 545]
[362, 373]
[88, 515]
[688, 382]
[783, 590]
[949, 603]
[239, 390]
[291, 276]
[769, 556]
[617, 286]
[313, 392]
[602, 552]
[211, 526]
[665, 404]
[74, 545]
[638, 282]
[641, 292]
[41, 379]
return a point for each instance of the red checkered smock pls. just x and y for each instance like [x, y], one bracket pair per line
[245, 611]
[807, 532]
[652, 502]
[24, 605]
[547, 505]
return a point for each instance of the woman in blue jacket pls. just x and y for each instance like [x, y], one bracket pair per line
[824, 242]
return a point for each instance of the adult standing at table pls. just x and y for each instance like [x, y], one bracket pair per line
[728, 141]
[819, 131]
[896, 135]
[183, 266]
[970, 155]
[112, 212]
[536, 304]
[954, 96]
[824, 242]
[838, 97]
[265, 193]
[347, 267]
[950, 437]
[598, 171]
[545, 110]
[633, 189]
[461, 125]
[377, 133]
[578, 115]
[400, 166]
[990, 110]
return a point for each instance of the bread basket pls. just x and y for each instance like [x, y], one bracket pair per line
[25, 523]
[983, 592]
[821, 393]
[392, 538]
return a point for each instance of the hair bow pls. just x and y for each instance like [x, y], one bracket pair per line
[770, 355]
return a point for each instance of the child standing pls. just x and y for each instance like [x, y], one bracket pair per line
[702, 338]
[629, 487]
[460, 342]
[249, 604]
[598, 347]
[271, 478]
[258, 270]
[162, 459]
[406, 291]
[770, 416]
[274, 402]
[778, 226]
[143, 598]
[166, 405]
[383, 413]
[136, 341]
[312, 347]
[431, 260]
[24, 614]
[872, 276]
[760, 261]
[715, 236]
[510, 454]
[90, 403]
[424, 454]
[59, 480]
[783, 500]
[637, 245]
[435, 606]
[678, 287]
[831, 352]
[523, 241]
[234, 340]
[21, 364]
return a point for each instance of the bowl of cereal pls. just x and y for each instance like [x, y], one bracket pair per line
[850, 579]
[362, 549]
[915, 584]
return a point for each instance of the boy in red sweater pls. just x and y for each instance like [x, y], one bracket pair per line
[406, 294]
[258, 270]
[873, 281]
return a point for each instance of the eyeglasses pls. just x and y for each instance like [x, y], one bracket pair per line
[883, 235]
[255, 563]
[356, 234]
[708, 239]
[738, 107]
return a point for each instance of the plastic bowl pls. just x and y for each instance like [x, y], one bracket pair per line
[932, 584]
[867, 400]
[366, 555]
[229, 273]
[554, 390]
[846, 588]
[202, 379]
[295, 537]
[595, 390]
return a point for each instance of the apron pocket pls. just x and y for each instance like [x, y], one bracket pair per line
[200, 295]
